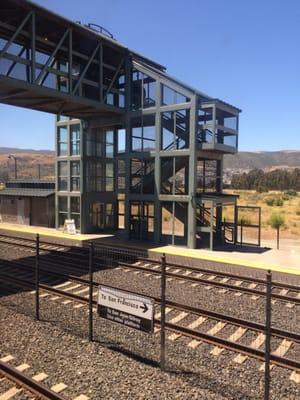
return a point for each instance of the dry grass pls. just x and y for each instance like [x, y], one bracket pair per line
[290, 210]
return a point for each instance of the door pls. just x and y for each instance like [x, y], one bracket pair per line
[21, 211]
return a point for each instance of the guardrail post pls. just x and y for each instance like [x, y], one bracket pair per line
[91, 256]
[37, 277]
[163, 314]
[268, 334]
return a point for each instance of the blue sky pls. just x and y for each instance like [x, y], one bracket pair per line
[244, 52]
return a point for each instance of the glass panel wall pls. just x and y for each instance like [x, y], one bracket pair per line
[174, 175]
[102, 215]
[62, 168]
[142, 176]
[62, 210]
[143, 91]
[170, 96]
[75, 176]
[141, 219]
[143, 133]
[62, 141]
[75, 139]
[175, 130]
[75, 210]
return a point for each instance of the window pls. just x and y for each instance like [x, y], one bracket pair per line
[109, 144]
[62, 175]
[109, 176]
[142, 176]
[121, 214]
[102, 215]
[62, 141]
[141, 220]
[174, 175]
[121, 174]
[75, 210]
[170, 96]
[121, 140]
[75, 176]
[143, 133]
[75, 139]
[62, 210]
[175, 130]
[143, 91]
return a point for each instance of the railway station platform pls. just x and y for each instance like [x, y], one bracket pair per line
[285, 261]
[282, 261]
[49, 233]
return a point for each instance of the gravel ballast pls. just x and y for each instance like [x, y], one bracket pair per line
[122, 363]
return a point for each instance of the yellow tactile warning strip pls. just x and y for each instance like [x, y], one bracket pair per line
[49, 232]
[194, 253]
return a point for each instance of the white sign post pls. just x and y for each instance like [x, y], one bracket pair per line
[126, 308]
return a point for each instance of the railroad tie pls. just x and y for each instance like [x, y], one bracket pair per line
[59, 387]
[223, 280]
[22, 367]
[255, 344]
[60, 285]
[253, 286]
[81, 397]
[158, 315]
[234, 337]
[281, 350]
[7, 358]
[86, 289]
[215, 329]
[68, 289]
[237, 284]
[10, 393]
[282, 292]
[176, 319]
[192, 325]
[40, 377]
[295, 377]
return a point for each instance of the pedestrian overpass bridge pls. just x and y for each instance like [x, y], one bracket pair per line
[51, 64]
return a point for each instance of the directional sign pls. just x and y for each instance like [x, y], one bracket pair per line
[126, 308]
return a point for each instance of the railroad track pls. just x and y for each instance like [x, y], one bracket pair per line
[74, 259]
[17, 381]
[197, 326]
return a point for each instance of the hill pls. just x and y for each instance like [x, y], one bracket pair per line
[265, 160]
[27, 163]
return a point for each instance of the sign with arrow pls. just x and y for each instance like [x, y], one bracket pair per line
[126, 308]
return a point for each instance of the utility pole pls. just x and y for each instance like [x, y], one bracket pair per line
[39, 171]
[12, 157]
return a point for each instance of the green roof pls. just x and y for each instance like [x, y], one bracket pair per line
[20, 192]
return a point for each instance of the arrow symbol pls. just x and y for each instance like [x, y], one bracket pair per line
[144, 307]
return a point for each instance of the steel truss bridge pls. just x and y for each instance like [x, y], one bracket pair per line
[51, 64]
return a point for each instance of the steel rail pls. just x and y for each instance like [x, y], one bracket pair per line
[214, 340]
[29, 384]
[117, 250]
[229, 286]
[281, 333]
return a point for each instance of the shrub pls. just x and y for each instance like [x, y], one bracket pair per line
[291, 192]
[262, 189]
[270, 201]
[274, 201]
[276, 220]
[278, 202]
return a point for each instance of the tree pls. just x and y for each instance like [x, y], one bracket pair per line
[276, 221]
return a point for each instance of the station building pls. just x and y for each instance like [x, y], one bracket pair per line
[137, 151]
[28, 202]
